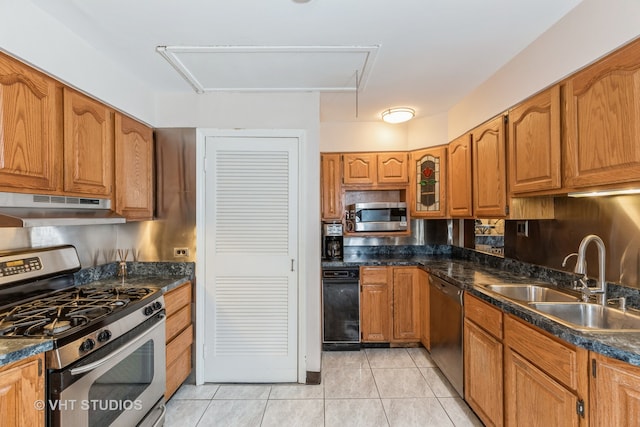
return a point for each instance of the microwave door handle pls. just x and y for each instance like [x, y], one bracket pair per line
[100, 362]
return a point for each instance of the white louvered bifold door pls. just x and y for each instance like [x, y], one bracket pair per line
[251, 252]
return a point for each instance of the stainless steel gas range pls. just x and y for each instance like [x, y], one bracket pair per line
[107, 366]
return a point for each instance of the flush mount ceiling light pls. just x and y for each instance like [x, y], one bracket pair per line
[398, 115]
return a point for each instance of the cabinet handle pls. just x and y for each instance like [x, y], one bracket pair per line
[292, 260]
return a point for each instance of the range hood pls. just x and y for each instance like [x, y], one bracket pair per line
[39, 210]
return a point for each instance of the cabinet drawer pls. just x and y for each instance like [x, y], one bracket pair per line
[484, 315]
[553, 357]
[177, 346]
[373, 275]
[177, 298]
[178, 322]
[177, 372]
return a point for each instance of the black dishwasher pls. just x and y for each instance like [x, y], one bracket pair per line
[341, 308]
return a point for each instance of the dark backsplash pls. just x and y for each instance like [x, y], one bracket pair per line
[615, 219]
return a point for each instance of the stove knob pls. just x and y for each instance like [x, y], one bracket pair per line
[157, 305]
[104, 336]
[87, 345]
[148, 310]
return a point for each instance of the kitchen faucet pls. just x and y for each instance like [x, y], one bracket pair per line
[581, 268]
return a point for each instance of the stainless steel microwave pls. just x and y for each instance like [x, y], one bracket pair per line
[377, 216]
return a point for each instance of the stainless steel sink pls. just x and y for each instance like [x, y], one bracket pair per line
[531, 293]
[589, 317]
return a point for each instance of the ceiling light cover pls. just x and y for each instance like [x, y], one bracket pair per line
[398, 115]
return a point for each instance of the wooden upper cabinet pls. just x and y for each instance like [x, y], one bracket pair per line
[427, 182]
[489, 169]
[134, 169]
[373, 169]
[30, 133]
[331, 190]
[392, 168]
[459, 179]
[88, 145]
[359, 168]
[534, 144]
[602, 105]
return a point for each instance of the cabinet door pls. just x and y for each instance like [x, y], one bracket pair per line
[483, 389]
[392, 168]
[374, 304]
[423, 284]
[615, 392]
[331, 188]
[21, 386]
[428, 186]
[534, 143]
[30, 135]
[459, 177]
[134, 169]
[603, 121]
[406, 304]
[489, 169]
[532, 398]
[359, 168]
[88, 145]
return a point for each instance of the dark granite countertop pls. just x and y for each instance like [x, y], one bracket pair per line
[467, 273]
[160, 275]
[14, 349]
[164, 283]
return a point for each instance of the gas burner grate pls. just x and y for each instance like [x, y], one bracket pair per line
[66, 310]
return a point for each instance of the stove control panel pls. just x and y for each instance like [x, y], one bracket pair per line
[152, 308]
[18, 266]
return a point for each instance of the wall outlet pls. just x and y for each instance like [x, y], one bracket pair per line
[180, 252]
[522, 228]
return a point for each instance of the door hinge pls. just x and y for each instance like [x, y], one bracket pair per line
[580, 407]
[593, 368]
[506, 119]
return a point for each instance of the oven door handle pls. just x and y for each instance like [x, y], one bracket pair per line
[100, 362]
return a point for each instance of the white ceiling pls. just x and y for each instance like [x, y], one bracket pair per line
[428, 54]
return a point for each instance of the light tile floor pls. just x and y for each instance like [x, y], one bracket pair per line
[372, 387]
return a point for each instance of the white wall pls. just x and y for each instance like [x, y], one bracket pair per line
[362, 136]
[31, 35]
[427, 131]
[588, 32]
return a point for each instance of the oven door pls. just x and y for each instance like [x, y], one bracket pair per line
[118, 385]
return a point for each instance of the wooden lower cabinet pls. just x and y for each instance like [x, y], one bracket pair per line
[483, 364]
[374, 304]
[405, 304]
[423, 284]
[179, 335]
[545, 379]
[21, 385]
[534, 398]
[390, 304]
[614, 393]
